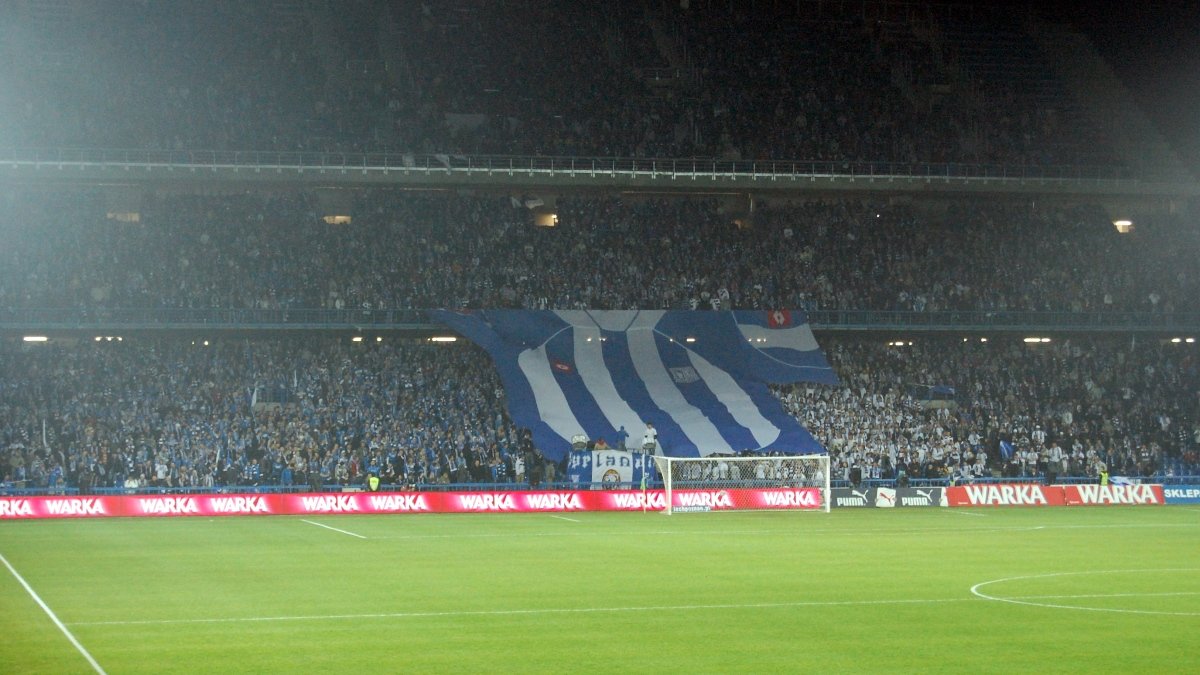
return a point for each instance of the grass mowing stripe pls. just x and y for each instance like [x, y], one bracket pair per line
[514, 612]
[1099, 595]
[773, 532]
[333, 528]
[53, 617]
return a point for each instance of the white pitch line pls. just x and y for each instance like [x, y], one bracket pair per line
[966, 513]
[332, 528]
[515, 612]
[1098, 595]
[566, 518]
[975, 590]
[53, 617]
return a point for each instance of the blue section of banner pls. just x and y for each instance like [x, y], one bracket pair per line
[699, 377]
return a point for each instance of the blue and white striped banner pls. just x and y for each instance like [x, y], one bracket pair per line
[699, 377]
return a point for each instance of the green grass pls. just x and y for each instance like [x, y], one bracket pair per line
[851, 591]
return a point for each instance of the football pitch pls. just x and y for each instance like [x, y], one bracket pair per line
[905, 590]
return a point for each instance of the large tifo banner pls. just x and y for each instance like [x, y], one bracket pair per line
[1032, 494]
[609, 466]
[19, 508]
[699, 377]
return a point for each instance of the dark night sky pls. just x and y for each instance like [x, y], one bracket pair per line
[1155, 47]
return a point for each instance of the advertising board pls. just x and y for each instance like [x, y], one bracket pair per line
[933, 496]
[1033, 494]
[557, 501]
[1182, 494]
[852, 497]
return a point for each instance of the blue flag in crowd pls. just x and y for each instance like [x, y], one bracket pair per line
[699, 377]
[1006, 449]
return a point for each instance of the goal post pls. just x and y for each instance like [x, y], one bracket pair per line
[754, 483]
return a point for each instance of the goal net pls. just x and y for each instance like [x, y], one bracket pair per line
[760, 483]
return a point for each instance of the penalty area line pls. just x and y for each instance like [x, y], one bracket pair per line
[518, 612]
[566, 518]
[310, 522]
[53, 617]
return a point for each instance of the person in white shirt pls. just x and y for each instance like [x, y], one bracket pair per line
[650, 439]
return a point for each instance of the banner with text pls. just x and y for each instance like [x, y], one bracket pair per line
[933, 496]
[1031, 494]
[609, 467]
[12, 508]
[1182, 494]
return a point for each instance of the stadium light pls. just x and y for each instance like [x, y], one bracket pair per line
[983, 339]
[1190, 340]
[443, 338]
[691, 339]
[379, 338]
[1036, 339]
[1124, 225]
[36, 338]
[1176, 340]
[356, 338]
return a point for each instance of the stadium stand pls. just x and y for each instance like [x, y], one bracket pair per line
[174, 413]
[404, 251]
[877, 82]
[189, 398]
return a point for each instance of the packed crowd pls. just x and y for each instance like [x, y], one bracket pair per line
[148, 413]
[404, 251]
[177, 413]
[517, 77]
[1066, 408]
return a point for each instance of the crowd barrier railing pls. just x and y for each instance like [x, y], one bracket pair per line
[1184, 324]
[549, 165]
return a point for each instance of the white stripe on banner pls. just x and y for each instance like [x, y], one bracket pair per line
[589, 362]
[800, 337]
[666, 395]
[547, 395]
[736, 400]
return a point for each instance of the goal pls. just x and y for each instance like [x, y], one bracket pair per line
[756, 483]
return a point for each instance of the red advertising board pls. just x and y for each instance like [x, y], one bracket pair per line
[1030, 494]
[402, 502]
[1093, 495]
